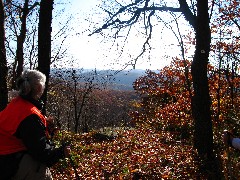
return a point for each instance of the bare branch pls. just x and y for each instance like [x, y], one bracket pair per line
[56, 57]
[142, 9]
[187, 13]
[213, 3]
[232, 19]
[33, 6]
[146, 43]
[135, 17]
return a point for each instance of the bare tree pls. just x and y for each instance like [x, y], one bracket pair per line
[3, 61]
[81, 95]
[198, 17]
[44, 41]
[21, 23]
[16, 10]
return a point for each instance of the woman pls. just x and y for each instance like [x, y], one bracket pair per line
[25, 151]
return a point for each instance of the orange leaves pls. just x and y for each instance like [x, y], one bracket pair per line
[226, 26]
[227, 47]
[165, 96]
[142, 153]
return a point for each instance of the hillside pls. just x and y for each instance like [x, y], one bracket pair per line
[124, 80]
[121, 80]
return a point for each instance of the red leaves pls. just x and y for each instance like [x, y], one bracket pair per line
[165, 96]
[142, 153]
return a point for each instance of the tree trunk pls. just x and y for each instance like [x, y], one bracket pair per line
[3, 62]
[20, 42]
[201, 101]
[44, 42]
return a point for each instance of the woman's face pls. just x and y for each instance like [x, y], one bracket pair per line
[40, 90]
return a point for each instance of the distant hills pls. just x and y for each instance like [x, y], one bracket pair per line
[121, 80]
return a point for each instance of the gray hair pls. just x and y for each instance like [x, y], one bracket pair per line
[29, 81]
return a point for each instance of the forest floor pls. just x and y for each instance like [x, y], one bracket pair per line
[137, 154]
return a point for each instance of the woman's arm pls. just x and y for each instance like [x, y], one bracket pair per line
[32, 132]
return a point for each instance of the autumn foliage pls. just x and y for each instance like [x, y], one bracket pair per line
[159, 143]
[165, 91]
[134, 154]
[168, 91]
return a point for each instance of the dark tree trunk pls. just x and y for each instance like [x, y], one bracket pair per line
[44, 42]
[3, 62]
[201, 101]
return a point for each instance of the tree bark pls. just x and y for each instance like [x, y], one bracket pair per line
[201, 102]
[44, 42]
[3, 61]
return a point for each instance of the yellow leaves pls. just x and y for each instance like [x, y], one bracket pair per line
[136, 104]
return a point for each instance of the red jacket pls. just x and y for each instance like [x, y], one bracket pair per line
[10, 118]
